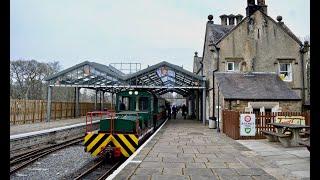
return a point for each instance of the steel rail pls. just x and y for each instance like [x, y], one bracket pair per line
[29, 159]
[104, 176]
[26, 155]
[95, 167]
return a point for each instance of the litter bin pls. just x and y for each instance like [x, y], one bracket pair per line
[212, 122]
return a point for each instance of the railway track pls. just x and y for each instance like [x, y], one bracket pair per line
[99, 170]
[21, 160]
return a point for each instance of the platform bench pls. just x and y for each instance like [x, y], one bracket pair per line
[305, 143]
[276, 137]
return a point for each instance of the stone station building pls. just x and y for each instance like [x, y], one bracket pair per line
[259, 62]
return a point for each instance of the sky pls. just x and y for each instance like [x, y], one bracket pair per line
[139, 31]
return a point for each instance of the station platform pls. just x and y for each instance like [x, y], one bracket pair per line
[186, 149]
[28, 128]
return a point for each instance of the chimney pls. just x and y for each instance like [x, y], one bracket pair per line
[224, 19]
[251, 7]
[231, 19]
[262, 6]
[239, 18]
[196, 54]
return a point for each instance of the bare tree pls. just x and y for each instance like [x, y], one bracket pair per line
[26, 78]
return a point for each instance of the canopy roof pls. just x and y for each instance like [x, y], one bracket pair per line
[159, 79]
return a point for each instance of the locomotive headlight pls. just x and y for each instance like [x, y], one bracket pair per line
[130, 92]
[136, 92]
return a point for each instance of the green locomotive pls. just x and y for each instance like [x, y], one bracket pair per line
[138, 114]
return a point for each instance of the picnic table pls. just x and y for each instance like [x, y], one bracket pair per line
[294, 128]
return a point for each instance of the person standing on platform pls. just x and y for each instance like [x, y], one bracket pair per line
[184, 111]
[168, 111]
[174, 111]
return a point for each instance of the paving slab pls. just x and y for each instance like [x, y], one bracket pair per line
[148, 171]
[203, 177]
[171, 177]
[186, 149]
[172, 171]
[140, 177]
[279, 161]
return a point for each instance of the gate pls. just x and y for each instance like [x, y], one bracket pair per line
[231, 122]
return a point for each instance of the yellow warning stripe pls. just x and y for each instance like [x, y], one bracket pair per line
[94, 142]
[87, 137]
[126, 142]
[134, 138]
[103, 144]
[123, 151]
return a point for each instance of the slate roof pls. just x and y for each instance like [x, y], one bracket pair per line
[219, 31]
[257, 85]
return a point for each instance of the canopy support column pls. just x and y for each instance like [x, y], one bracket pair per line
[111, 100]
[77, 102]
[102, 107]
[197, 105]
[49, 103]
[96, 100]
[204, 105]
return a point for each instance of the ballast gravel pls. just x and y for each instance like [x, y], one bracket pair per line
[56, 165]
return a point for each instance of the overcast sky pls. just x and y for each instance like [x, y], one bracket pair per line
[143, 31]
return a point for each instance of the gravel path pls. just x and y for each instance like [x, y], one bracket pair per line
[56, 165]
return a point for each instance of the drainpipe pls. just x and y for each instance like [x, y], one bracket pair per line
[218, 127]
[303, 50]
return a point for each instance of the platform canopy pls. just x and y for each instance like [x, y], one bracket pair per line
[160, 78]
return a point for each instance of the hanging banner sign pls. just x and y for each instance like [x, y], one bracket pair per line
[247, 124]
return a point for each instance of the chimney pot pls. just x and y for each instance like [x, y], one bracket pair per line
[196, 54]
[279, 18]
[251, 2]
[224, 19]
[261, 2]
[239, 18]
[210, 17]
[231, 19]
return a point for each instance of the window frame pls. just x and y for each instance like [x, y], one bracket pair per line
[289, 71]
[233, 66]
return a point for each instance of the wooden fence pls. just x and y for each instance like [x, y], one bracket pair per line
[231, 122]
[31, 111]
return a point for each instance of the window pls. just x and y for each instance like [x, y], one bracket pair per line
[143, 103]
[285, 71]
[232, 66]
[256, 110]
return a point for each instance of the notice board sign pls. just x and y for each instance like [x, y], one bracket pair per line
[291, 120]
[247, 124]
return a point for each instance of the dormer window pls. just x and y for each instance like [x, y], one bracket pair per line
[285, 71]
